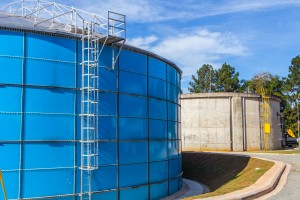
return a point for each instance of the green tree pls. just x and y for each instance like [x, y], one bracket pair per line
[227, 80]
[272, 84]
[290, 117]
[292, 92]
[244, 86]
[259, 82]
[204, 81]
[293, 79]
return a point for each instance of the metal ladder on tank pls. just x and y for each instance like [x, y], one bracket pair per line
[89, 108]
[92, 46]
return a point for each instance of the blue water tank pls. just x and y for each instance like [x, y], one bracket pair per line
[40, 99]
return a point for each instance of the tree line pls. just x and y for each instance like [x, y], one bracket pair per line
[226, 79]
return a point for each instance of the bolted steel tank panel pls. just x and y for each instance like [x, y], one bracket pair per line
[40, 101]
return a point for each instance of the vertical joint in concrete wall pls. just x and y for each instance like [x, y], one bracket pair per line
[244, 124]
[230, 125]
[260, 124]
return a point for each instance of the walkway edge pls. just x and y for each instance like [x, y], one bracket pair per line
[262, 186]
[184, 189]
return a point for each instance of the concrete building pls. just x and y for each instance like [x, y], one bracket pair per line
[227, 122]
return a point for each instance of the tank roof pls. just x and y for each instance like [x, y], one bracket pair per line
[224, 95]
[10, 21]
[21, 23]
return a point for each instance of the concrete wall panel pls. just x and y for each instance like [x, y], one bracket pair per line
[226, 121]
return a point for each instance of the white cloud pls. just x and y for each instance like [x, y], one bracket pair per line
[157, 10]
[142, 42]
[193, 49]
[135, 10]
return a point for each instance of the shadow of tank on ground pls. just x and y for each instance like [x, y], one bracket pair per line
[208, 168]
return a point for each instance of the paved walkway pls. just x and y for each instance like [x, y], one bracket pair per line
[291, 189]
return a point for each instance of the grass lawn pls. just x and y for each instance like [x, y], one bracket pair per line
[223, 173]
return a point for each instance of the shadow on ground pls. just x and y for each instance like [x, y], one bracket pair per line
[212, 169]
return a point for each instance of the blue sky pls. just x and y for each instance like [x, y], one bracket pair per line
[254, 36]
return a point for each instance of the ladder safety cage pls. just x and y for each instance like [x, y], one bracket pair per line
[96, 32]
[89, 107]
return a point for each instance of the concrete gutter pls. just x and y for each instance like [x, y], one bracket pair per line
[185, 188]
[262, 186]
[189, 188]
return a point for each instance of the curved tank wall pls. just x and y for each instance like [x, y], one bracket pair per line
[139, 134]
[227, 122]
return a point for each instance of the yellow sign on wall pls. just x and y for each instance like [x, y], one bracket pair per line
[267, 128]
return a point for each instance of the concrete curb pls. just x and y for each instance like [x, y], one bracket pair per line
[185, 188]
[280, 185]
[262, 186]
